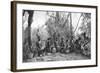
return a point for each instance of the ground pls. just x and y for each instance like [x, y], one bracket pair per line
[58, 57]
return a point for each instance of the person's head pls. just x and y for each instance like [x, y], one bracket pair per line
[79, 38]
[66, 40]
[62, 39]
[84, 34]
[48, 39]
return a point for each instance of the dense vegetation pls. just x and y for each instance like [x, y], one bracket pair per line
[57, 35]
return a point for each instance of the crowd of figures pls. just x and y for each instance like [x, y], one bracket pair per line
[59, 44]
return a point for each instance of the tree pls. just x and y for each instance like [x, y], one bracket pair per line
[59, 23]
[86, 24]
[27, 34]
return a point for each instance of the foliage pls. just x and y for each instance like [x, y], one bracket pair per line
[86, 24]
[59, 25]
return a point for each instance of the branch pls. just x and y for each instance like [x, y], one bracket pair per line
[50, 15]
[66, 20]
[78, 23]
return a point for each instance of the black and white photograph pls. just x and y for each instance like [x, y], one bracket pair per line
[53, 36]
[56, 36]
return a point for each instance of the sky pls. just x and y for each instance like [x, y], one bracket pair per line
[40, 18]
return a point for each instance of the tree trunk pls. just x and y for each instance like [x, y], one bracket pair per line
[29, 26]
[71, 29]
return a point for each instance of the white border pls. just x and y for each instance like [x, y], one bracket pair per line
[21, 65]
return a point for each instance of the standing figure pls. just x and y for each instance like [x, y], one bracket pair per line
[57, 46]
[38, 45]
[38, 48]
[67, 46]
[47, 46]
[62, 45]
[78, 45]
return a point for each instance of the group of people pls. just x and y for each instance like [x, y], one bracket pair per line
[60, 45]
[83, 45]
[52, 45]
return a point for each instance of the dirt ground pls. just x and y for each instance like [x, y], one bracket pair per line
[58, 57]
